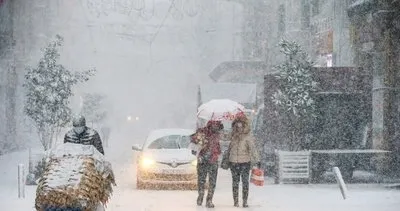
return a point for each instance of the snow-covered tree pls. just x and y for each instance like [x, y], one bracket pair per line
[294, 97]
[48, 90]
[94, 108]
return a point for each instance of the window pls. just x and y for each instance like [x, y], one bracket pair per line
[166, 142]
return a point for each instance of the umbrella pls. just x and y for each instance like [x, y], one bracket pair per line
[220, 109]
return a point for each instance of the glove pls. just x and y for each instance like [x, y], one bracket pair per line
[257, 165]
[194, 152]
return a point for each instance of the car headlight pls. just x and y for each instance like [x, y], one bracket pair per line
[194, 163]
[147, 162]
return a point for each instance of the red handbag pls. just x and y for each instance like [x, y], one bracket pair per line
[257, 177]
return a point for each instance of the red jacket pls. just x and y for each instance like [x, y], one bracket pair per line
[213, 145]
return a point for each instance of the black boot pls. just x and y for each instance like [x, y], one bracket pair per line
[213, 172]
[200, 199]
[201, 180]
[235, 191]
[209, 203]
[245, 196]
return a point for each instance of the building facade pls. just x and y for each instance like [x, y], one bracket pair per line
[376, 28]
[321, 27]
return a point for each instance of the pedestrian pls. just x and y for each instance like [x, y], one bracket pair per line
[81, 134]
[207, 159]
[243, 155]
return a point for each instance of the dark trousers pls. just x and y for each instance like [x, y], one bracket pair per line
[240, 171]
[204, 169]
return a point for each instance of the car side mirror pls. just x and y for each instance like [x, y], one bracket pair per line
[136, 147]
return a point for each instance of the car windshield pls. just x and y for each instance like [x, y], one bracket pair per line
[170, 142]
[165, 142]
[184, 142]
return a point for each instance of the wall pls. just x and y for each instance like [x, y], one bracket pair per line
[377, 50]
[341, 92]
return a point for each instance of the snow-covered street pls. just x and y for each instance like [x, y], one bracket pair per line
[270, 197]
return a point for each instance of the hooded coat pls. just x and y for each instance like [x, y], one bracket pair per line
[242, 147]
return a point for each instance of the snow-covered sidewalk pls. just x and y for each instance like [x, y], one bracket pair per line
[9, 183]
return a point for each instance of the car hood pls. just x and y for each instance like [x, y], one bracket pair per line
[168, 155]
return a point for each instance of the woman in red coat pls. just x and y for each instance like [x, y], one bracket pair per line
[207, 159]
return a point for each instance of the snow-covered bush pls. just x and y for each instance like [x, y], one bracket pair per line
[293, 99]
[48, 90]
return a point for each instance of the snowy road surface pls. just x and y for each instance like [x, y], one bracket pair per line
[270, 197]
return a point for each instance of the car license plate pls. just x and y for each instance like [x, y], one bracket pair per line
[172, 171]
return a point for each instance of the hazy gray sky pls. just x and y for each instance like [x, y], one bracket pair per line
[159, 86]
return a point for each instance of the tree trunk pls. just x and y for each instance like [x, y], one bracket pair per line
[41, 137]
[45, 138]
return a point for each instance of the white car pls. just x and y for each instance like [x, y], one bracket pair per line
[165, 159]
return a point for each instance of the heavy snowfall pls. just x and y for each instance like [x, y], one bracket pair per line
[316, 81]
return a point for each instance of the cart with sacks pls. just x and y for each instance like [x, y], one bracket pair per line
[76, 178]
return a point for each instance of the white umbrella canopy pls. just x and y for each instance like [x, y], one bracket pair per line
[220, 110]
